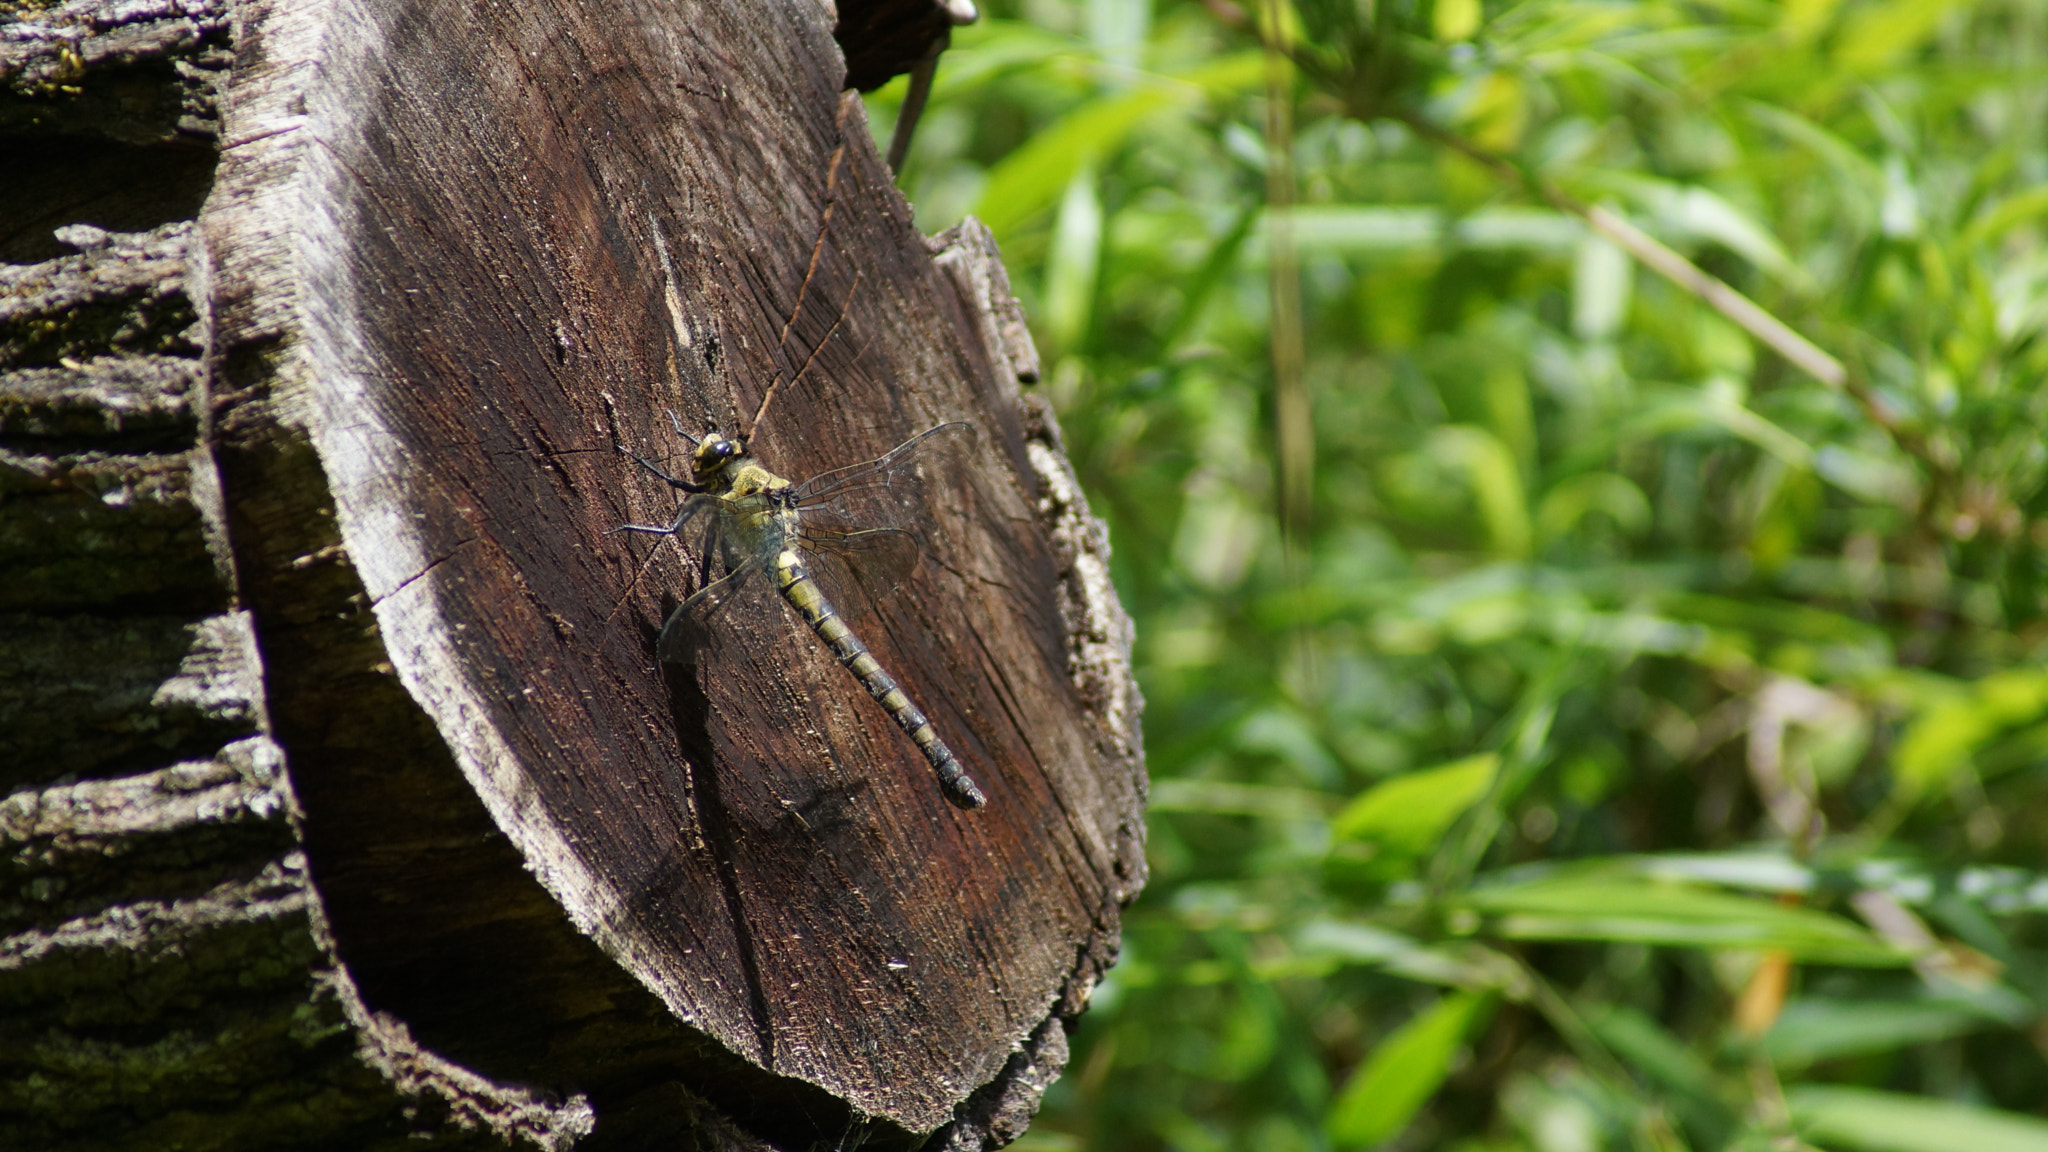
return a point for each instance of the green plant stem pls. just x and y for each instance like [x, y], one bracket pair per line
[1710, 290]
[1294, 423]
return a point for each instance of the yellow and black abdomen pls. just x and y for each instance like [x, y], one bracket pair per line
[803, 594]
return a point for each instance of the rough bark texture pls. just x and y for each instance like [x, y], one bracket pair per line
[166, 977]
[348, 805]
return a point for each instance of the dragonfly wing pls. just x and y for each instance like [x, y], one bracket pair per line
[866, 526]
[895, 489]
[739, 603]
[858, 569]
[858, 578]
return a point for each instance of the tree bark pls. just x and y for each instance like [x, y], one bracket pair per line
[350, 803]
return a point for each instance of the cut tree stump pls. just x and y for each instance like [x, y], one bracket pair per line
[350, 806]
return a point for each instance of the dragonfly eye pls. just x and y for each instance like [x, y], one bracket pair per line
[712, 454]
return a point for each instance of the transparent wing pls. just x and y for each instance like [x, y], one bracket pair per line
[731, 601]
[857, 569]
[866, 526]
[735, 599]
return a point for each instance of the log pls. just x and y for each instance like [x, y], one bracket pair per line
[167, 977]
[348, 516]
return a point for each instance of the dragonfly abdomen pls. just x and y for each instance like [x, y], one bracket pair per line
[803, 594]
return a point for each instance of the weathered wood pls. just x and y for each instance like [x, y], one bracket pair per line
[560, 894]
[108, 114]
[166, 976]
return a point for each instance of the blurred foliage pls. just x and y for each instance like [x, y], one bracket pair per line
[1646, 745]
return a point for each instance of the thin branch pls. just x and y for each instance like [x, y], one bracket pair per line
[1751, 317]
[912, 109]
[1293, 421]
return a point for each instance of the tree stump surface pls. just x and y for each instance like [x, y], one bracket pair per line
[336, 472]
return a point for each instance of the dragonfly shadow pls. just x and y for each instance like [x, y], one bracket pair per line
[691, 710]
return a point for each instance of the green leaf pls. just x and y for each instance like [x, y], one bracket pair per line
[2007, 214]
[991, 47]
[1682, 214]
[1602, 281]
[1402, 1073]
[1866, 1120]
[1223, 257]
[1571, 501]
[1408, 814]
[1718, 406]
[1646, 1046]
[1645, 912]
[1226, 798]
[1495, 480]
[1458, 965]
[1949, 731]
[1809, 1031]
[1393, 229]
[1076, 257]
[1877, 36]
[1455, 19]
[1028, 180]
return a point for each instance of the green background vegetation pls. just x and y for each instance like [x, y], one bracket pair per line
[1573, 725]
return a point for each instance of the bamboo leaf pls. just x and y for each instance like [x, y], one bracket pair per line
[1619, 909]
[1866, 1120]
[1407, 814]
[1812, 1030]
[1030, 179]
[1403, 1072]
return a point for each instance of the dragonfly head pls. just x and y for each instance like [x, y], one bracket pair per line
[713, 454]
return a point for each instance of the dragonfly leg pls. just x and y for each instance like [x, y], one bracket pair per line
[714, 546]
[681, 633]
[658, 470]
[683, 518]
[677, 424]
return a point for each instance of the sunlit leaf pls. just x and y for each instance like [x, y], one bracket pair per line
[1876, 36]
[2006, 215]
[1496, 484]
[1076, 253]
[1366, 229]
[1223, 797]
[1941, 740]
[1604, 493]
[1602, 276]
[1402, 1073]
[1456, 19]
[1811, 1030]
[1866, 1120]
[1407, 814]
[1597, 908]
[1031, 178]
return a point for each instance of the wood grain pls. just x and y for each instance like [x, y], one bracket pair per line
[437, 301]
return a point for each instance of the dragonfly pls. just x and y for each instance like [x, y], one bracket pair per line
[856, 531]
